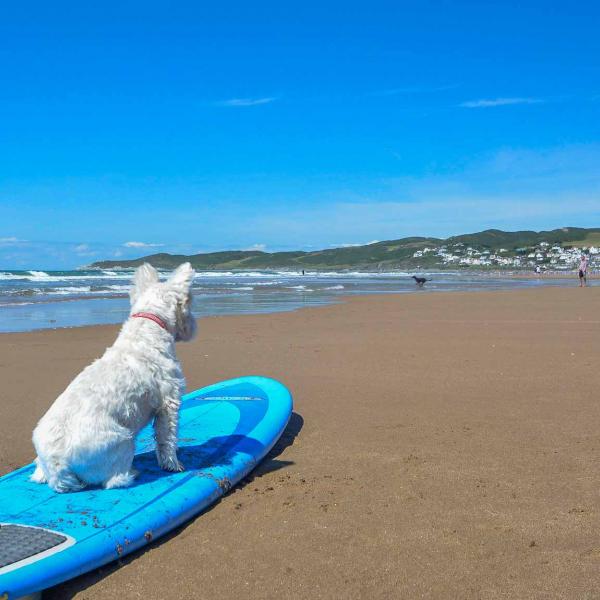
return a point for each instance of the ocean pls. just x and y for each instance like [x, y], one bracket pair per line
[36, 299]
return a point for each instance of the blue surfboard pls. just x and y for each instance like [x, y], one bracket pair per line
[47, 538]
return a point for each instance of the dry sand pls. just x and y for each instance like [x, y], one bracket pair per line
[443, 446]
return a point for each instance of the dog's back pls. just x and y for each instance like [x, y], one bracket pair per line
[95, 418]
[88, 434]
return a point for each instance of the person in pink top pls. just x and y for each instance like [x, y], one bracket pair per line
[583, 266]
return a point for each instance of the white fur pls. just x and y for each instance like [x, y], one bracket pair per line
[87, 436]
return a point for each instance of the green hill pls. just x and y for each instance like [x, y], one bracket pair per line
[407, 253]
[495, 238]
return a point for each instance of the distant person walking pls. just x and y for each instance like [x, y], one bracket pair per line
[583, 267]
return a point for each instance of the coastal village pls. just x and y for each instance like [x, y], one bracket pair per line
[543, 256]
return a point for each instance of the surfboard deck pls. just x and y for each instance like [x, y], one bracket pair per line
[224, 431]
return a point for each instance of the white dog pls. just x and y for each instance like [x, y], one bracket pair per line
[87, 436]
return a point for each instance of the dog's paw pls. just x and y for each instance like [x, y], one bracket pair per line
[120, 480]
[38, 476]
[170, 464]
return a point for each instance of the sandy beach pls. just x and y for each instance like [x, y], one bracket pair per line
[443, 446]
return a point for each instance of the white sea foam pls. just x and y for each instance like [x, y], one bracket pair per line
[42, 276]
[66, 291]
[247, 274]
[200, 274]
[299, 288]
[9, 304]
[269, 276]
[363, 274]
[39, 275]
[83, 290]
[334, 287]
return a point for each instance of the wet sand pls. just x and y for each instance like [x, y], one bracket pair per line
[443, 446]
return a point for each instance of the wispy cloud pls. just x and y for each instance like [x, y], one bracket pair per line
[259, 247]
[141, 245]
[510, 189]
[413, 90]
[246, 101]
[354, 245]
[9, 240]
[491, 102]
[84, 250]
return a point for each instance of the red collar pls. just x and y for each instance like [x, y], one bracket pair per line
[151, 317]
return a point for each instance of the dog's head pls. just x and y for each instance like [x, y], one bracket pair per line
[170, 300]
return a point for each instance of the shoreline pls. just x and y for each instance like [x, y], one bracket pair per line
[348, 270]
[27, 313]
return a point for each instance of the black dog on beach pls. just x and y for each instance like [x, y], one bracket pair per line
[420, 281]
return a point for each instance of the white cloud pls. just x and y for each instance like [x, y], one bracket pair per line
[141, 245]
[259, 247]
[416, 89]
[487, 103]
[246, 101]
[84, 250]
[354, 245]
[10, 240]
[510, 189]
[441, 217]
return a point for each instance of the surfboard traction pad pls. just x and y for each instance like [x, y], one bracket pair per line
[18, 542]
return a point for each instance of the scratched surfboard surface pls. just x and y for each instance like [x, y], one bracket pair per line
[46, 538]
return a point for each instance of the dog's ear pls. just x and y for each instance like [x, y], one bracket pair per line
[182, 278]
[144, 277]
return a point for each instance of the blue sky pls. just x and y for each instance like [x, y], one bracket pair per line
[130, 128]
